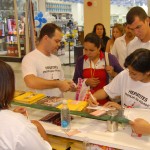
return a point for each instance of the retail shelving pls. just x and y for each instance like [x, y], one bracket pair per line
[15, 32]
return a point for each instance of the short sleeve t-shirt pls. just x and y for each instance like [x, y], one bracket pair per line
[133, 93]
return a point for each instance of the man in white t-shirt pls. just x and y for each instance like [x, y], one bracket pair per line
[121, 44]
[138, 22]
[41, 69]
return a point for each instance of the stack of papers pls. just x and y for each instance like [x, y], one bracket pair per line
[100, 108]
[29, 97]
[51, 101]
[17, 93]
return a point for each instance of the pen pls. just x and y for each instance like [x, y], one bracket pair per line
[27, 114]
[92, 96]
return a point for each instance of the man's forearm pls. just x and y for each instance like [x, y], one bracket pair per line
[40, 83]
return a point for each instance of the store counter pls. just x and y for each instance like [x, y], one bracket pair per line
[94, 131]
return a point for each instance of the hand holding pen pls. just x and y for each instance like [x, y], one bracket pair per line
[92, 100]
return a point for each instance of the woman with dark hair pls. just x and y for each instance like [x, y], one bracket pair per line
[92, 66]
[133, 85]
[100, 30]
[16, 131]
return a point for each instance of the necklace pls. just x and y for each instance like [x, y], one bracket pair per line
[92, 69]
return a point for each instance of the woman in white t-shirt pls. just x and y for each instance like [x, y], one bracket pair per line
[132, 84]
[16, 131]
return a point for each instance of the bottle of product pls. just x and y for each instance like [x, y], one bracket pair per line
[65, 117]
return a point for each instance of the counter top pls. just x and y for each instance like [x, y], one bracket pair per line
[95, 132]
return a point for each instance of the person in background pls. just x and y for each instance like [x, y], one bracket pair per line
[138, 22]
[117, 31]
[16, 131]
[41, 69]
[120, 47]
[70, 24]
[92, 66]
[133, 85]
[100, 30]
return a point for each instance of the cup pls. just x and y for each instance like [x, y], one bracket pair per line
[112, 125]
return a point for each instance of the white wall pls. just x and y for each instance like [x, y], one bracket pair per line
[121, 12]
[78, 13]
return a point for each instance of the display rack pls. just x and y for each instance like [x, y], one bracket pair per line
[15, 38]
[12, 37]
[58, 7]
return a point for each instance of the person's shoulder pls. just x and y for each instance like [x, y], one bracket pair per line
[124, 73]
[136, 40]
[30, 54]
[110, 41]
[14, 118]
[81, 58]
[106, 37]
[111, 56]
[55, 57]
[120, 38]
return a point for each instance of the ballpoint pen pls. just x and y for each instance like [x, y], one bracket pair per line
[27, 115]
[91, 95]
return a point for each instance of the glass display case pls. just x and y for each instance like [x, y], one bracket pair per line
[13, 14]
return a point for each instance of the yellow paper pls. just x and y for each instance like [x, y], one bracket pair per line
[75, 105]
[29, 97]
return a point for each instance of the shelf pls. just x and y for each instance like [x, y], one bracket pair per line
[11, 58]
[58, 7]
[53, 12]
[14, 35]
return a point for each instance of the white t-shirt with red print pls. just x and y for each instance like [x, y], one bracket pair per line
[134, 94]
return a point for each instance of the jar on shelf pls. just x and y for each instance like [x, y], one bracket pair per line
[12, 50]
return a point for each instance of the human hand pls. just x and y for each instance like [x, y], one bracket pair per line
[140, 126]
[92, 82]
[21, 110]
[110, 71]
[112, 104]
[64, 86]
[92, 102]
[73, 86]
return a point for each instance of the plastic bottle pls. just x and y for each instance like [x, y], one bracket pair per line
[65, 117]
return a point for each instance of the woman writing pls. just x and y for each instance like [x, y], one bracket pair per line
[133, 85]
[16, 131]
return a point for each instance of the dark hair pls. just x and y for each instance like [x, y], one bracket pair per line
[49, 30]
[136, 12]
[139, 60]
[99, 24]
[93, 38]
[7, 84]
